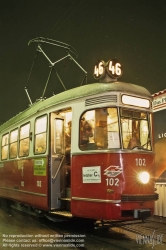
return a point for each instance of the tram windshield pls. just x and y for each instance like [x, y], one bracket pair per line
[110, 128]
[135, 129]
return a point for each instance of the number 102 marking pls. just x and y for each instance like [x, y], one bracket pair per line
[112, 182]
[140, 162]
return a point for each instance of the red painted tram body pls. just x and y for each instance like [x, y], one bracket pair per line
[72, 153]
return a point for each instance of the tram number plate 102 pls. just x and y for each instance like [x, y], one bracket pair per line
[140, 162]
[112, 182]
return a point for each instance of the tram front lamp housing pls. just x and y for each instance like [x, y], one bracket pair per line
[144, 177]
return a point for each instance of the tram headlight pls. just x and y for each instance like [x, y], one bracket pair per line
[144, 177]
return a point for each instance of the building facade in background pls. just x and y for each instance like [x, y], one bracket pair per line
[159, 109]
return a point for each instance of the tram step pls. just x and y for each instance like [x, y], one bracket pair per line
[62, 213]
[64, 199]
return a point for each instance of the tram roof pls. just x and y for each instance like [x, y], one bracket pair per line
[75, 93]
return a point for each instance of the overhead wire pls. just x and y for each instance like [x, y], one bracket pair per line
[66, 17]
[56, 28]
[60, 18]
[36, 54]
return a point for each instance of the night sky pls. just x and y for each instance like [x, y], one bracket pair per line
[133, 31]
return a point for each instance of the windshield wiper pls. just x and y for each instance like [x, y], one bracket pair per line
[142, 146]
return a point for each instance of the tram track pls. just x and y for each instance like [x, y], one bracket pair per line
[93, 240]
[129, 233]
[132, 234]
[135, 234]
[151, 229]
[124, 235]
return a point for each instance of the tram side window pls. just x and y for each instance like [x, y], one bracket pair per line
[59, 136]
[24, 140]
[40, 134]
[13, 143]
[135, 129]
[99, 129]
[5, 144]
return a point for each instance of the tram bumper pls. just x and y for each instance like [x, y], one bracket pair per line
[142, 213]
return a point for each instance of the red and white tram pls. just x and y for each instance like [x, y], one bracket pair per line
[86, 152]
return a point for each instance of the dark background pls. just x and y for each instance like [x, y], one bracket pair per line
[132, 31]
[159, 124]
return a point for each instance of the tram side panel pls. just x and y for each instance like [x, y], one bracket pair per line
[24, 182]
[24, 175]
[106, 185]
[38, 178]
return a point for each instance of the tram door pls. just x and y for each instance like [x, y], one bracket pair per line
[57, 159]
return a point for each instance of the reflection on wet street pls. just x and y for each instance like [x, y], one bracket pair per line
[21, 231]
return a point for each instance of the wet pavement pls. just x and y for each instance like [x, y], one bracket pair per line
[21, 231]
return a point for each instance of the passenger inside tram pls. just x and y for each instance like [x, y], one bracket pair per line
[86, 133]
[134, 142]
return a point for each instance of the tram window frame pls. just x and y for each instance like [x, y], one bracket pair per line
[136, 137]
[38, 149]
[24, 141]
[133, 114]
[6, 145]
[106, 134]
[13, 143]
[59, 146]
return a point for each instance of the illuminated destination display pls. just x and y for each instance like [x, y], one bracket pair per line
[99, 70]
[112, 68]
[135, 101]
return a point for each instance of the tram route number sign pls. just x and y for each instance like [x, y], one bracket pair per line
[91, 174]
[112, 68]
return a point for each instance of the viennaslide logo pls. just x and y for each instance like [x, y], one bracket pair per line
[153, 239]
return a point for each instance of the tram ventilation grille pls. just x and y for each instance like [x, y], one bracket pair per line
[101, 99]
[145, 197]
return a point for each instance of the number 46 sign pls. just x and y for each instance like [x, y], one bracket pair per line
[113, 68]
